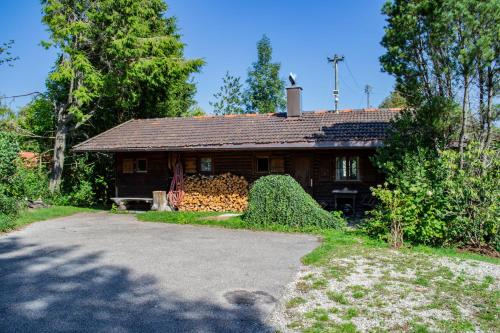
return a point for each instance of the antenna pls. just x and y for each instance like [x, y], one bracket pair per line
[368, 90]
[335, 60]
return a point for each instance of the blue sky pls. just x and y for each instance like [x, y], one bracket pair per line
[225, 32]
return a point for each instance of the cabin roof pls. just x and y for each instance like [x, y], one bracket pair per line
[363, 128]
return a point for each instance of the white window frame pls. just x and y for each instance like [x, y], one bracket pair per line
[211, 164]
[347, 176]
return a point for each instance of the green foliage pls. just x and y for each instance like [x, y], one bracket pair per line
[431, 126]
[266, 91]
[16, 182]
[447, 49]
[6, 56]
[473, 196]
[119, 60]
[38, 121]
[229, 98]
[436, 202]
[30, 183]
[411, 202]
[280, 200]
[394, 100]
[9, 150]
[79, 184]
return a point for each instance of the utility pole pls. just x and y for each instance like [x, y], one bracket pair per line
[335, 60]
[368, 90]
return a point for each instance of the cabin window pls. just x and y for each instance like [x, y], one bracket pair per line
[347, 168]
[263, 164]
[128, 165]
[277, 165]
[206, 164]
[141, 165]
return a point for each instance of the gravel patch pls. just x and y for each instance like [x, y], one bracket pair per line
[392, 291]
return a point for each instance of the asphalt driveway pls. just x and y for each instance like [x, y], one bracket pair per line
[109, 273]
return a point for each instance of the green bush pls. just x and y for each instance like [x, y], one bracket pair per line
[411, 202]
[278, 200]
[9, 150]
[30, 183]
[429, 199]
[78, 184]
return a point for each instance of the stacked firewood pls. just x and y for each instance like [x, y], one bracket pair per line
[220, 193]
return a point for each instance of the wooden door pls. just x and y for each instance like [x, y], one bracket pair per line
[302, 167]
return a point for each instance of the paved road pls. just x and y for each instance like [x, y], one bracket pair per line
[109, 273]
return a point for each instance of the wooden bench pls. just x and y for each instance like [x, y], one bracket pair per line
[122, 202]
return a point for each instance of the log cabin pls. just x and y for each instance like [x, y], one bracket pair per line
[327, 152]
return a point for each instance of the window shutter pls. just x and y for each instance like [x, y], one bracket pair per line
[278, 165]
[128, 165]
[190, 166]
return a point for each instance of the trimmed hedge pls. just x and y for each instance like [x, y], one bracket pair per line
[279, 200]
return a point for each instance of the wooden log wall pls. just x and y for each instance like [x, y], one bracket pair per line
[322, 170]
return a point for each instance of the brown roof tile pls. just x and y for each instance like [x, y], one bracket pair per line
[350, 128]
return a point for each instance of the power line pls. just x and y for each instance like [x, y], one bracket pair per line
[353, 78]
[23, 95]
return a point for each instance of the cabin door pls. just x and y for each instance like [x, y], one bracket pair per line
[303, 172]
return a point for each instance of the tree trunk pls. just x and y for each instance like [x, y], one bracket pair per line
[463, 125]
[59, 153]
[489, 107]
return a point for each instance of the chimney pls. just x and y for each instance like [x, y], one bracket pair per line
[293, 101]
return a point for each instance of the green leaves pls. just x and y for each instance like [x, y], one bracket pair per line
[5, 54]
[438, 203]
[229, 99]
[279, 201]
[266, 91]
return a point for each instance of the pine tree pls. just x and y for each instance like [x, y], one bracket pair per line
[266, 91]
[229, 98]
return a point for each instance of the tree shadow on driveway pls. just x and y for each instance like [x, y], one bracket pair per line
[55, 289]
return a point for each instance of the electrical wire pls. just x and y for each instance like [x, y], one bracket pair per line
[23, 95]
[352, 75]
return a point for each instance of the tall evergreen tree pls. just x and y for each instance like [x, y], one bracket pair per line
[229, 98]
[266, 91]
[118, 59]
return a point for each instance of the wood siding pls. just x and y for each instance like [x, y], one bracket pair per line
[321, 173]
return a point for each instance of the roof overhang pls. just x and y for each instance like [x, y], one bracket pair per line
[350, 144]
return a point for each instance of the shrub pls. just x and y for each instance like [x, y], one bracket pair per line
[78, 187]
[30, 183]
[9, 150]
[278, 200]
[429, 199]
[411, 202]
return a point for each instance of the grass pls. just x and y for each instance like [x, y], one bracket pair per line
[26, 217]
